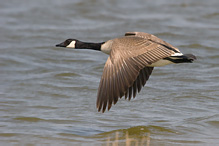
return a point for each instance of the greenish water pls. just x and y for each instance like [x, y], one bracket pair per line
[48, 94]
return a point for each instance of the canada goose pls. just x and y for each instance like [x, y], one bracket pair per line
[131, 61]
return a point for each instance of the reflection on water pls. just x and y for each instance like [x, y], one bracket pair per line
[141, 135]
[129, 140]
[48, 94]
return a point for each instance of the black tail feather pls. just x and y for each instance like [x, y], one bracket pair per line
[186, 58]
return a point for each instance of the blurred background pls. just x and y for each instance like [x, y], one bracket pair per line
[48, 94]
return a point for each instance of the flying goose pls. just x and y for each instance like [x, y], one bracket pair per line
[130, 63]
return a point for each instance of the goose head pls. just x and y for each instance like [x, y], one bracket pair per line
[105, 47]
[69, 43]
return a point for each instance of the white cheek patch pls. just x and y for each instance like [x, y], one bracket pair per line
[71, 45]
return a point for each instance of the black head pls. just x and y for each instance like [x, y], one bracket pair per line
[69, 43]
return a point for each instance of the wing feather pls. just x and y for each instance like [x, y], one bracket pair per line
[126, 70]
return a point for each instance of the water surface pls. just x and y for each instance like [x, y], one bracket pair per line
[48, 94]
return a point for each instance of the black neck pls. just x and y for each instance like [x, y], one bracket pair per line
[85, 45]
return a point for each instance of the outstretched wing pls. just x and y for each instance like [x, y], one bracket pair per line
[126, 71]
[152, 38]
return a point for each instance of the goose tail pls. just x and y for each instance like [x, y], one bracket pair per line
[185, 58]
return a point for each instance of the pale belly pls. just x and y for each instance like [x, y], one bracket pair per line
[160, 63]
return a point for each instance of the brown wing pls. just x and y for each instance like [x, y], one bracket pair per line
[126, 71]
[152, 38]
